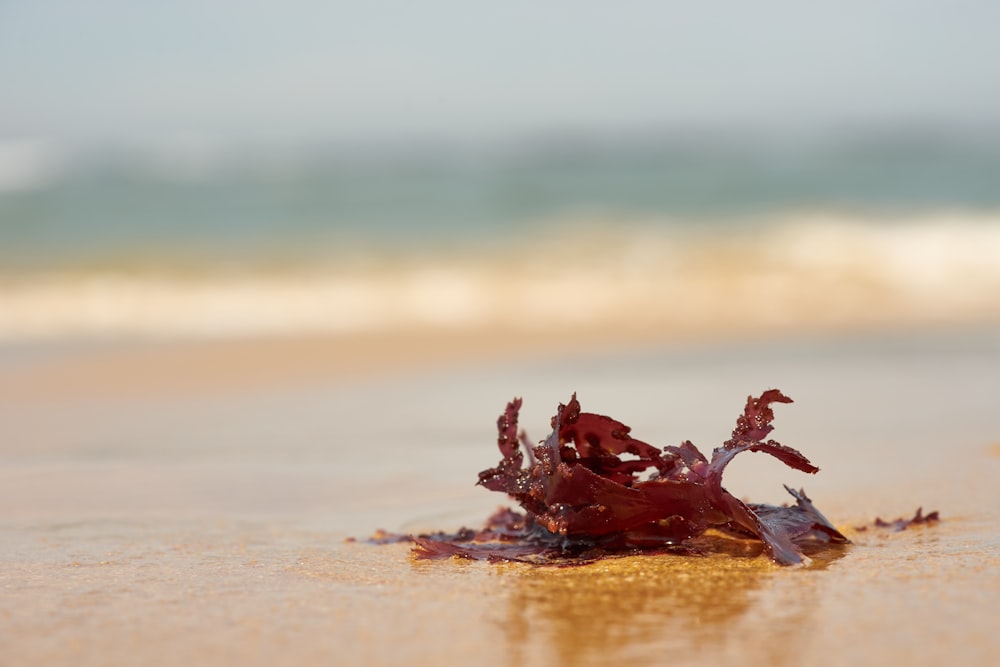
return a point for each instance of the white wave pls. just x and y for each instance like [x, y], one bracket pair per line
[809, 272]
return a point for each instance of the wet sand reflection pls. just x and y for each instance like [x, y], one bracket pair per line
[638, 607]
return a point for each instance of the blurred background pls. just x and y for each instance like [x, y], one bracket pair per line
[653, 170]
[270, 270]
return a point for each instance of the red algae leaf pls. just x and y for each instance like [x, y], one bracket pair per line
[755, 422]
[509, 475]
[902, 523]
[778, 527]
[753, 426]
[590, 489]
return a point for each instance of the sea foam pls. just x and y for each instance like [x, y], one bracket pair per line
[810, 272]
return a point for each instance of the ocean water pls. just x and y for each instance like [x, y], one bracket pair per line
[687, 235]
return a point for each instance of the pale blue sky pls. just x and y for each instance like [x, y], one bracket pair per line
[121, 71]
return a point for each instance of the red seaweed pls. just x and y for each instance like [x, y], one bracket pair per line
[902, 524]
[590, 489]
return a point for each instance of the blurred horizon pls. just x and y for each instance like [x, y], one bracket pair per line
[247, 168]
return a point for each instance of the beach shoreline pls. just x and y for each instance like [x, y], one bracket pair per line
[85, 367]
[191, 500]
[797, 273]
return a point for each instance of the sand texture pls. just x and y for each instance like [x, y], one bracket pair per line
[187, 515]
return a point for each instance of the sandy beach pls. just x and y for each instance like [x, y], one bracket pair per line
[269, 274]
[190, 502]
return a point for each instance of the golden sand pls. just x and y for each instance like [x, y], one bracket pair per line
[118, 546]
[243, 593]
[211, 366]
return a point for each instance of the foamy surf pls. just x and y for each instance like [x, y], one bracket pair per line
[802, 272]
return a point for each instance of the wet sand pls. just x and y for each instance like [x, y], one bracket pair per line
[167, 503]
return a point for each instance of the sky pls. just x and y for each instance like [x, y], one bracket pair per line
[119, 72]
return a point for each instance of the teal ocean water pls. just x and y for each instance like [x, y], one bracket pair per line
[191, 241]
[189, 207]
